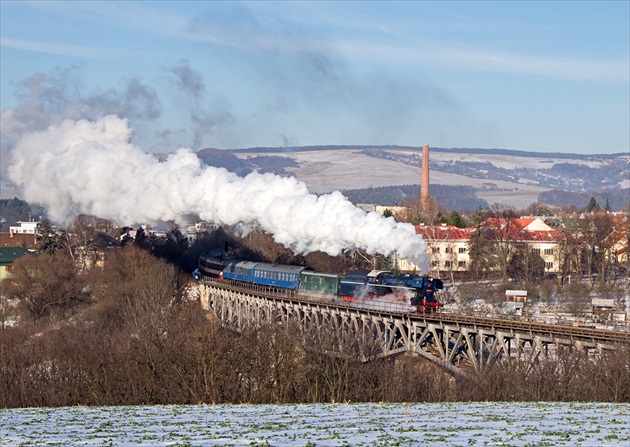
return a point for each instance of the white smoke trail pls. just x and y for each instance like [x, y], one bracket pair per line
[85, 167]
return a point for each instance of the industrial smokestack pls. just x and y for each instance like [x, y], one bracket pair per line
[424, 184]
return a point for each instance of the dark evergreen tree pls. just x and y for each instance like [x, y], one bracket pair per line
[607, 206]
[592, 206]
[456, 220]
[141, 239]
[47, 238]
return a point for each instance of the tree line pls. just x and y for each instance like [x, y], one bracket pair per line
[133, 332]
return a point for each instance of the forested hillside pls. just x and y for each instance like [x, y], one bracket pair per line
[15, 210]
[459, 198]
[617, 200]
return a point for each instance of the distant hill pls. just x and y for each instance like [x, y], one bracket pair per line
[16, 210]
[510, 177]
[224, 159]
[460, 198]
[265, 163]
[618, 200]
[454, 150]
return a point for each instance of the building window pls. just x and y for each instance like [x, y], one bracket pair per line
[536, 251]
[436, 249]
[461, 264]
[435, 264]
[448, 250]
[448, 264]
[462, 249]
[548, 251]
[548, 265]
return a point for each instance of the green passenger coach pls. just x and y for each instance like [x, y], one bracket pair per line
[320, 283]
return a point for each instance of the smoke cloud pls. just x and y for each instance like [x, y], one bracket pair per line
[190, 83]
[91, 167]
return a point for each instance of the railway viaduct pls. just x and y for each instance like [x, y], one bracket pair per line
[456, 342]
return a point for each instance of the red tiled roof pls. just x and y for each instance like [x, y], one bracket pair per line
[451, 233]
[18, 240]
[516, 222]
[443, 232]
[540, 236]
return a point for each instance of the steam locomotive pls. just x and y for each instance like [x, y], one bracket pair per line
[374, 289]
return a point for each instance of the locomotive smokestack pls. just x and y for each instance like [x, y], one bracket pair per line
[424, 184]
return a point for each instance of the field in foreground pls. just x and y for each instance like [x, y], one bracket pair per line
[434, 424]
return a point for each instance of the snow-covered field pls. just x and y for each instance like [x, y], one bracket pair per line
[419, 424]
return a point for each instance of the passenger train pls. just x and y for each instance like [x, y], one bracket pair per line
[374, 289]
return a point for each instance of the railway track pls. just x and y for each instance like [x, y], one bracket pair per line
[504, 324]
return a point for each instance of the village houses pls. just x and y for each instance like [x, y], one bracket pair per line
[449, 247]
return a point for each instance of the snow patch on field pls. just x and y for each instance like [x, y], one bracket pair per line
[434, 424]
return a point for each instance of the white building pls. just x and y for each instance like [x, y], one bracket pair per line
[25, 228]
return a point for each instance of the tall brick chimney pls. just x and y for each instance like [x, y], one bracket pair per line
[424, 184]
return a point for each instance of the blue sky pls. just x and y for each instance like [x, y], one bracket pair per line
[534, 76]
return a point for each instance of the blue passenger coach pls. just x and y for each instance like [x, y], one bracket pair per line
[239, 270]
[285, 276]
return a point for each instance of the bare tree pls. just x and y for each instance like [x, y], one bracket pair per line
[79, 242]
[44, 283]
[482, 252]
[596, 227]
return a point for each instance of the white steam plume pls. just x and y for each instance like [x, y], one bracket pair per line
[85, 167]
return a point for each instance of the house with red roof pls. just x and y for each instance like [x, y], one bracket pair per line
[556, 248]
[448, 246]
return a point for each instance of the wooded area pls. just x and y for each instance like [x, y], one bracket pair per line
[132, 333]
